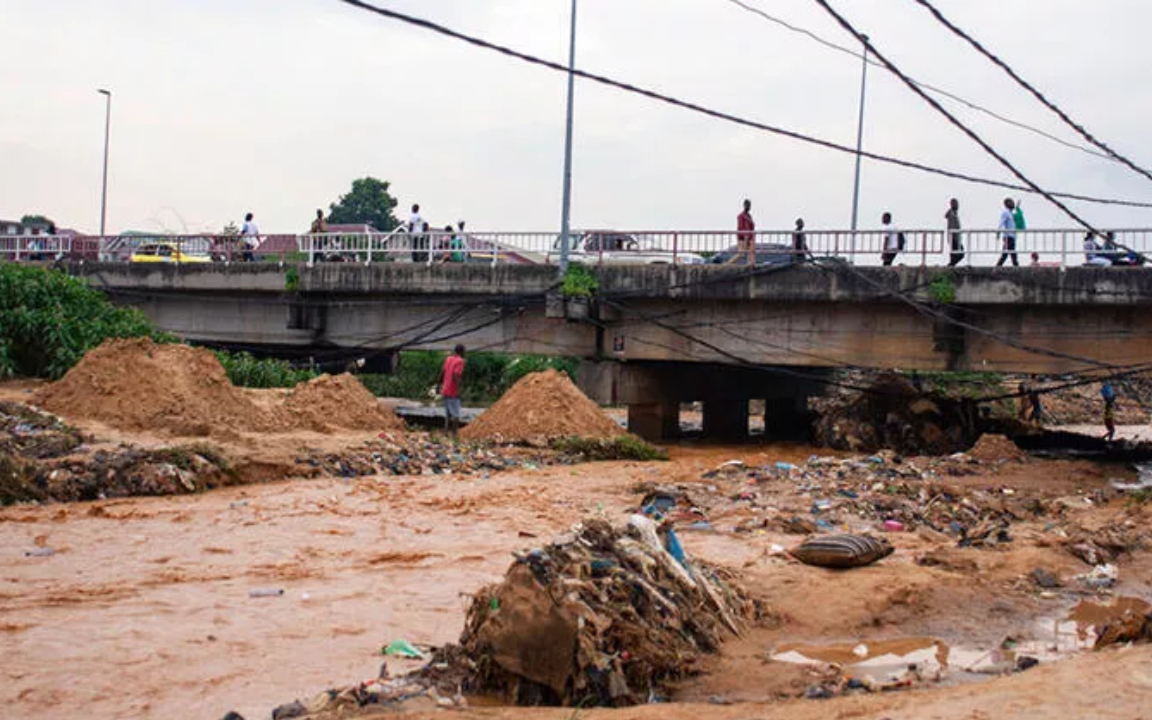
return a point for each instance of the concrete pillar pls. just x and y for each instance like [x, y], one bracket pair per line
[787, 418]
[726, 420]
[654, 421]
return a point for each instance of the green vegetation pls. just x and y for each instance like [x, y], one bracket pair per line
[943, 290]
[579, 281]
[625, 447]
[486, 377]
[245, 370]
[48, 320]
[292, 280]
[368, 202]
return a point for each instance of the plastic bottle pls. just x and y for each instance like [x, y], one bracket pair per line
[265, 592]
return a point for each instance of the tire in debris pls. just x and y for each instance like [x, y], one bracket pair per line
[842, 551]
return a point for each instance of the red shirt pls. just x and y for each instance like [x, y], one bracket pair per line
[745, 227]
[453, 371]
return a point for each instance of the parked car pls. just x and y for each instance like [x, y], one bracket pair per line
[164, 252]
[609, 246]
[766, 254]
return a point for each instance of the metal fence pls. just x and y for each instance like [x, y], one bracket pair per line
[978, 248]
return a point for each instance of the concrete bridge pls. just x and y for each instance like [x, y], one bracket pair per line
[657, 335]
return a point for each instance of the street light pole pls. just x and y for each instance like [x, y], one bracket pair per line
[566, 201]
[859, 147]
[107, 131]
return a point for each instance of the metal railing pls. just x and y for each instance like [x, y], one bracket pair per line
[980, 248]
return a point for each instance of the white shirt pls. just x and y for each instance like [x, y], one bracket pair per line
[1007, 222]
[891, 239]
[415, 223]
[250, 233]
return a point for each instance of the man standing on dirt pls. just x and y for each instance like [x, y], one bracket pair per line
[1109, 395]
[450, 381]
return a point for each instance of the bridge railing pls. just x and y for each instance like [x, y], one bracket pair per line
[979, 247]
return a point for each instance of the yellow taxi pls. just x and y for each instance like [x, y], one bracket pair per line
[165, 253]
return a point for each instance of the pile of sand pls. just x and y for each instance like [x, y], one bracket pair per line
[991, 448]
[340, 401]
[542, 406]
[140, 385]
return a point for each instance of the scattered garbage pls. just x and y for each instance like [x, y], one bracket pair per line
[842, 551]
[401, 454]
[40, 552]
[402, 648]
[265, 592]
[1100, 577]
[893, 526]
[1045, 579]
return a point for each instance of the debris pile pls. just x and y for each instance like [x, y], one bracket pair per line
[32, 434]
[404, 454]
[894, 415]
[602, 617]
[541, 407]
[141, 385]
[1105, 544]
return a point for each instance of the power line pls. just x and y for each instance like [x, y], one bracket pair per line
[951, 118]
[717, 114]
[938, 90]
[1035, 93]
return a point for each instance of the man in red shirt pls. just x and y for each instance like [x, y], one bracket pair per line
[450, 381]
[745, 236]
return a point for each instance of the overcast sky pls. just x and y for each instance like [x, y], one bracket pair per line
[275, 106]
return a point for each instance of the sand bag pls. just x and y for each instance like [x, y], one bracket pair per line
[842, 551]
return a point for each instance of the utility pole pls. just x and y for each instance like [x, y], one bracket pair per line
[566, 201]
[859, 148]
[107, 132]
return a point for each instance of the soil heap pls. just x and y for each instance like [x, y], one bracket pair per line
[341, 401]
[539, 407]
[895, 415]
[141, 385]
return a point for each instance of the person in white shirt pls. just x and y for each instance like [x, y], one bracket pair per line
[891, 240]
[250, 236]
[1008, 233]
[416, 231]
[1092, 255]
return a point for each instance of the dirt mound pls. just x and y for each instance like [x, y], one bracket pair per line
[339, 401]
[991, 448]
[542, 406]
[140, 385]
[893, 414]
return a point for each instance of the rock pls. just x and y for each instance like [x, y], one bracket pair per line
[1026, 663]
[289, 710]
[1045, 579]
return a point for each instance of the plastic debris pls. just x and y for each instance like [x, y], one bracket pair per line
[265, 592]
[403, 648]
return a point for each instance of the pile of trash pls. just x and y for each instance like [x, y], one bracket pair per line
[893, 414]
[541, 407]
[141, 385]
[882, 492]
[602, 617]
[416, 454]
[32, 434]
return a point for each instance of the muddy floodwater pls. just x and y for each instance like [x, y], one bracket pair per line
[143, 607]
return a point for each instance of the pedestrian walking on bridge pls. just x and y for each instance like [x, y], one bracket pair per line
[953, 219]
[745, 236]
[1008, 233]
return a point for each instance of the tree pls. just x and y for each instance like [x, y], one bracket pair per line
[368, 202]
[36, 220]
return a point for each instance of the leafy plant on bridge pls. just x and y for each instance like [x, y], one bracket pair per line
[579, 282]
[943, 290]
[48, 320]
[292, 280]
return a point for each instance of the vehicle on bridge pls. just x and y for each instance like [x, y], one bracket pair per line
[766, 254]
[166, 252]
[609, 246]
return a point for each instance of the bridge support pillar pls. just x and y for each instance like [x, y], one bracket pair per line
[726, 420]
[655, 421]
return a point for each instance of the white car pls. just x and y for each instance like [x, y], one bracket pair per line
[608, 246]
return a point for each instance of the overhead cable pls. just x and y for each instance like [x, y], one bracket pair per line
[1031, 89]
[717, 114]
[932, 88]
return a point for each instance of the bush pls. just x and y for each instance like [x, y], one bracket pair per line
[487, 376]
[48, 320]
[245, 370]
[579, 281]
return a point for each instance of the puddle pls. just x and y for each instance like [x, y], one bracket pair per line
[1051, 640]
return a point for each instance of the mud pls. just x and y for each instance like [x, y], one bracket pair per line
[141, 607]
[541, 407]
